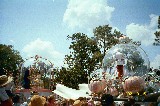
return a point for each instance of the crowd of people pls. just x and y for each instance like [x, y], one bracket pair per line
[9, 98]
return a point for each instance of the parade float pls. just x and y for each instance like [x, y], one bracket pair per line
[36, 77]
[125, 75]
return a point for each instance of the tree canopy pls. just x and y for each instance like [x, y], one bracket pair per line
[105, 37]
[84, 57]
[157, 35]
[9, 59]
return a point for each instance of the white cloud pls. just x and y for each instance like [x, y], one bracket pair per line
[12, 41]
[156, 62]
[154, 21]
[87, 14]
[44, 49]
[143, 33]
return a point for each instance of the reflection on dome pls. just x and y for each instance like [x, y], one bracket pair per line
[128, 58]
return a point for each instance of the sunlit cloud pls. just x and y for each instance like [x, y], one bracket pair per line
[143, 33]
[156, 62]
[87, 14]
[45, 49]
[12, 41]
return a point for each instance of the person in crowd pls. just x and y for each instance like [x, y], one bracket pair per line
[151, 104]
[107, 100]
[51, 100]
[64, 102]
[32, 94]
[37, 100]
[26, 79]
[91, 102]
[77, 103]
[97, 103]
[10, 88]
[126, 103]
[16, 100]
[4, 98]
[45, 97]
[57, 102]
[158, 101]
[70, 102]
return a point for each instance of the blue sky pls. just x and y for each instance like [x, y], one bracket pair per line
[41, 26]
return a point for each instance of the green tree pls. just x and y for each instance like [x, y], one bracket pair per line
[68, 78]
[157, 35]
[9, 59]
[84, 57]
[105, 37]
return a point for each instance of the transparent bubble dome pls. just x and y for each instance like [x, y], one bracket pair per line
[134, 60]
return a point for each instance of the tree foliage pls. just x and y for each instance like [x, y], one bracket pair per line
[157, 35]
[105, 37]
[84, 57]
[68, 78]
[9, 59]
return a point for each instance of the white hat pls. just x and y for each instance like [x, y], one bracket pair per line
[4, 80]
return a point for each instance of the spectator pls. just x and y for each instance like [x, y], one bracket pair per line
[10, 88]
[91, 102]
[26, 79]
[158, 101]
[51, 100]
[107, 100]
[16, 100]
[77, 103]
[32, 94]
[5, 100]
[37, 100]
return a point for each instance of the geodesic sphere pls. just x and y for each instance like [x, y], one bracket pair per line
[131, 57]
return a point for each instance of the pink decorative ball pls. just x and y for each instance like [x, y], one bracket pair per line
[134, 84]
[97, 86]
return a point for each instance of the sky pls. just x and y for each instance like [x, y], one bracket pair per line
[41, 26]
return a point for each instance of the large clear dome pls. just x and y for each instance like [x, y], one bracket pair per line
[133, 58]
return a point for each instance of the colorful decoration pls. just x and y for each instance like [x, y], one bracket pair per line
[97, 86]
[125, 74]
[134, 84]
[34, 74]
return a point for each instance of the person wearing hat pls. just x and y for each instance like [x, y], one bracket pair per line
[51, 100]
[31, 95]
[37, 100]
[4, 98]
[10, 87]
[77, 103]
[107, 100]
